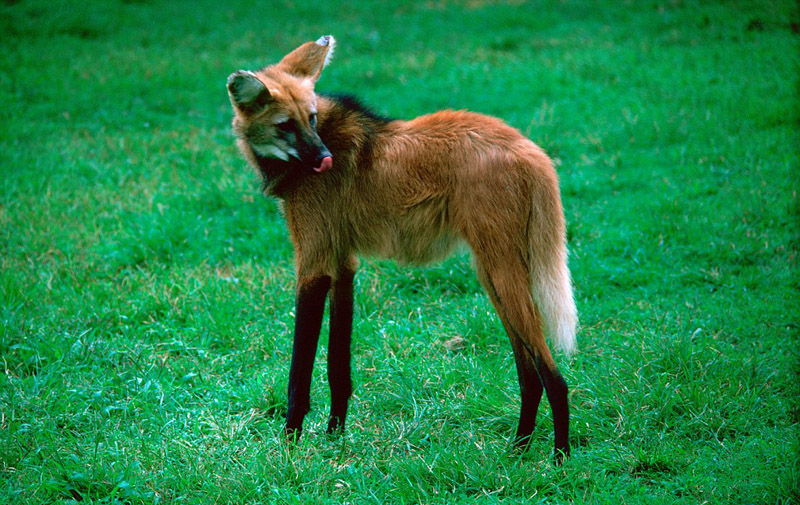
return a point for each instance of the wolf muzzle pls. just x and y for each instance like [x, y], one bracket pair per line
[314, 152]
[325, 163]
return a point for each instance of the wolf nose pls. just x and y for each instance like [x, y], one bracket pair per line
[325, 163]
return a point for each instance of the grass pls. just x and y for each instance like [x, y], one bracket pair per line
[146, 287]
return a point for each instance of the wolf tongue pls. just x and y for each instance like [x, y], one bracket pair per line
[325, 165]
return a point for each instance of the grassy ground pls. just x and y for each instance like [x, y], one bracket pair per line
[146, 287]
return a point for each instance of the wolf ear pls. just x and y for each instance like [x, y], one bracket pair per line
[246, 91]
[308, 60]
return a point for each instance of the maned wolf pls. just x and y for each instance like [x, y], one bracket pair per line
[354, 183]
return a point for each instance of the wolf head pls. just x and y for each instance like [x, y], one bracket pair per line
[275, 109]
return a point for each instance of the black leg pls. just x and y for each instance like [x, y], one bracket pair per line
[557, 395]
[310, 306]
[533, 372]
[339, 377]
[531, 391]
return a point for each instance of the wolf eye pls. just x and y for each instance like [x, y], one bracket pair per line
[285, 125]
[313, 119]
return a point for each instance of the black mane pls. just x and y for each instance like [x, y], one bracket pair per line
[353, 104]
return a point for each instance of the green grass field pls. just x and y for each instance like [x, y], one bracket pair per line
[146, 288]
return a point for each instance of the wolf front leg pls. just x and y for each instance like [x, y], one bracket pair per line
[339, 376]
[311, 294]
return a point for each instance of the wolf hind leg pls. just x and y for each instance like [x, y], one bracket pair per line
[530, 385]
[506, 279]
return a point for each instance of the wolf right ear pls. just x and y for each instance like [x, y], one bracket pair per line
[308, 60]
[246, 91]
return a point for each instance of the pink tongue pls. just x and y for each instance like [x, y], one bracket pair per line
[326, 164]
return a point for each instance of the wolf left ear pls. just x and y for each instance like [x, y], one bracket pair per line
[308, 60]
[247, 91]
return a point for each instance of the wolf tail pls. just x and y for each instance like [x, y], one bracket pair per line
[551, 283]
[552, 290]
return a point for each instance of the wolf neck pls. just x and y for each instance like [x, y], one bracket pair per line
[346, 127]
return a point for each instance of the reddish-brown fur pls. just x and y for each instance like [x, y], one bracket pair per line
[409, 190]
